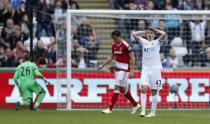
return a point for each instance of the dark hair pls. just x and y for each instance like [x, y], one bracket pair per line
[116, 33]
[71, 2]
[27, 56]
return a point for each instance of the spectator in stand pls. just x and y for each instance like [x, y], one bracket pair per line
[64, 5]
[6, 13]
[202, 56]
[118, 4]
[15, 4]
[75, 20]
[197, 28]
[173, 60]
[132, 6]
[60, 32]
[10, 61]
[174, 3]
[85, 31]
[186, 35]
[208, 33]
[61, 62]
[8, 29]
[208, 57]
[20, 13]
[200, 5]
[72, 4]
[152, 22]
[150, 5]
[172, 23]
[58, 10]
[165, 46]
[141, 4]
[93, 47]
[69, 4]
[19, 52]
[2, 41]
[159, 4]
[78, 54]
[16, 36]
[187, 5]
[44, 19]
[203, 59]
[1, 5]
[121, 4]
[40, 53]
[164, 61]
[24, 24]
[2, 56]
[162, 25]
[52, 50]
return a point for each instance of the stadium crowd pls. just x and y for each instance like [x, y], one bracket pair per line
[14, 33]
[193, 33]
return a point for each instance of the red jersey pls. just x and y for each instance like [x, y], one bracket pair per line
[121, 55]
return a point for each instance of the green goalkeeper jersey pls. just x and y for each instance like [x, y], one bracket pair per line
[26, 71]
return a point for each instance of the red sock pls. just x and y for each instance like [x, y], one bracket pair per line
[130, 98]
[113, 101]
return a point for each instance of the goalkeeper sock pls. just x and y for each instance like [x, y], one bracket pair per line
[40, 98]
[113, 100]
[130, 98]
[143, 101]
[154, 103]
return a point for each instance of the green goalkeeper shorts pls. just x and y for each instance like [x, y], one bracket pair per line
[28, 88]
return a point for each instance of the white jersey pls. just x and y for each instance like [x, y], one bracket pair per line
[151, 56]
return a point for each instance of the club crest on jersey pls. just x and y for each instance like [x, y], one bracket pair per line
[149, 50]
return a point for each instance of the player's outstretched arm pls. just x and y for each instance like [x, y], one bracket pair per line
[138, 34]
[162, 33]
[108, 60]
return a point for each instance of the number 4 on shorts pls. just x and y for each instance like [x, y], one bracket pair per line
[158, 83]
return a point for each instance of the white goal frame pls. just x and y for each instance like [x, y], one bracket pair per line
[152, 12]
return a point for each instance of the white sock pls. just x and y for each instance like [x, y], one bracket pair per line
[21, 102]
[143, 101]
[154, 103]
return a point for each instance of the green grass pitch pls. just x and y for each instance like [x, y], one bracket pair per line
[96, 117]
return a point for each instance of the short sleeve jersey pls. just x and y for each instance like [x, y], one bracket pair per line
[121, 55]
[151, 55]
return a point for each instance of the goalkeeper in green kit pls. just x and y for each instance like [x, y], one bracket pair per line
[27, 85]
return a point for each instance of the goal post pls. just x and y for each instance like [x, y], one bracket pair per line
[186, 85]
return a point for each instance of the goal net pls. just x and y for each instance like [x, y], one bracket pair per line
[185, 57]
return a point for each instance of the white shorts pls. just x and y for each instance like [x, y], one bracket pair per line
[121, 78]
[151, 78]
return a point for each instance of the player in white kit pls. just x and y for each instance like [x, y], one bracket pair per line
[151, 66]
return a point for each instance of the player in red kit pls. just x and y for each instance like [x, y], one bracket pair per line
[124, 65]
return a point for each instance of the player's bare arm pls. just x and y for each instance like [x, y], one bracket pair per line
[132, 66]
[138, 34]
[108, 60]
[162, 33]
